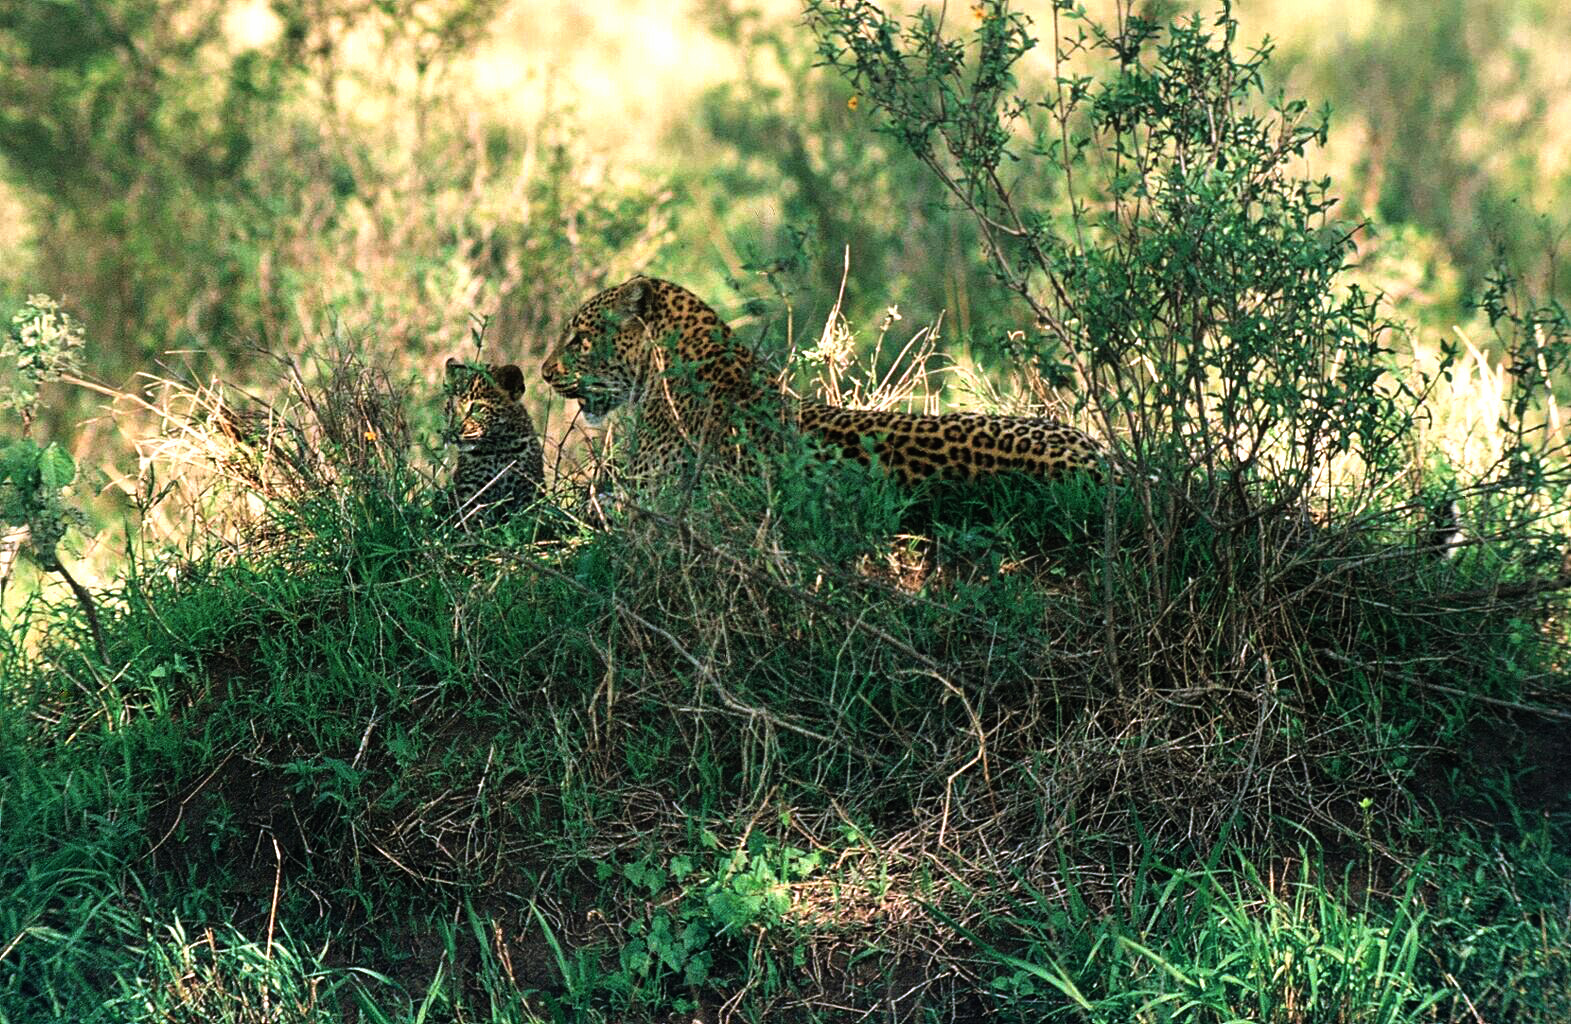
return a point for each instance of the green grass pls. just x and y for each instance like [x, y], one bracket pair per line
[687, 765]
[1222, 942]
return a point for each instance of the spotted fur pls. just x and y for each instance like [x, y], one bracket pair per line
[501, 462]
[655, 345]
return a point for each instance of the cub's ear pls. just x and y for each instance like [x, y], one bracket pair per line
[635, 297]
[510, 379]
[453, 366]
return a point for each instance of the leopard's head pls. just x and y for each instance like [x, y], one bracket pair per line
[480, 397]
[604, 357]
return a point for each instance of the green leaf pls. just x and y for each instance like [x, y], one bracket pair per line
[18, 462]
[635, 957]
[697, 970]
[55, 467]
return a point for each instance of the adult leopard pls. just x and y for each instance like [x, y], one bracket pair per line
[655, 345]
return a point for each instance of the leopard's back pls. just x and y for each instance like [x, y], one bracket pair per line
[955, 445]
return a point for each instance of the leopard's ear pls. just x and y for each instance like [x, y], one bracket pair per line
[635, 297]
[510, 379]
[453, 367]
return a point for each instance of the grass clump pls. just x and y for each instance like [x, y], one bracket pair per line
[703, 764]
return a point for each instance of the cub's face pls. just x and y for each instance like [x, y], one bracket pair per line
[602, 356]
[479, 398]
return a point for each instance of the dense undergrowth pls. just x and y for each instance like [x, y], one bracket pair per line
[381, 769]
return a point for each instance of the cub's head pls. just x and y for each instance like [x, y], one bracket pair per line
[480, 397]
[604, 355]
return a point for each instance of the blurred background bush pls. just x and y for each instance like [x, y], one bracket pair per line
[209, 185]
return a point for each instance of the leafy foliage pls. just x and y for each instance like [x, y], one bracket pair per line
[45, 344]
[1181, 274]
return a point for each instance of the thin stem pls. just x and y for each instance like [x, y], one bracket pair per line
[85, 599]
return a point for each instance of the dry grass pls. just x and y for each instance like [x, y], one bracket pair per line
[218, 457]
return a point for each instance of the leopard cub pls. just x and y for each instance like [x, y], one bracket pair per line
[501, 462]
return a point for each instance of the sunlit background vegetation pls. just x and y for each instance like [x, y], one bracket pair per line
[319, 787]
[205, 181]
